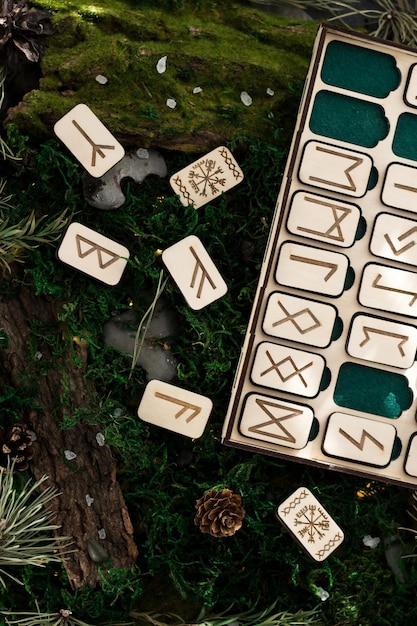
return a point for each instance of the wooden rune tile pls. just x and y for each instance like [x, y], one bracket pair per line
[174, 408]
[310, 524]
[92, 253]
[206, 179]
[89, 140]
[192, 268]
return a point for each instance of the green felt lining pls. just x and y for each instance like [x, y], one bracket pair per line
[372, 390]
[348, 119]
[378, 74]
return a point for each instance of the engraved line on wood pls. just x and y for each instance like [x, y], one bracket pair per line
[97, 148]
[291, 505]
[297, 371]
[95, 248]
[367, 330]
[357, 161]
[257, 428]
[405, 187]
[329, 545]
[360, 444]
[204, 274]
[291, 318]
[183, 403]
[332, 266]
[394, 289]
[409, 245]
[336, 224]
[313, 523]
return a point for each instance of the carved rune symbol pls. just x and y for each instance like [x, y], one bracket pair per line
[97, 148]
[339, 213]
[351, 186]
[102, 253]
[291, 317]
[360, 444]
[204, 274]
[314, 522]
[296, 371]
[182, 403]
[267, 407]
[205, 176]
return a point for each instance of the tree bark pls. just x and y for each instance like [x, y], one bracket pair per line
[91, 499]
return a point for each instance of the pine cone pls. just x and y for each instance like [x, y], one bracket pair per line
[219, 513]
[15, 447]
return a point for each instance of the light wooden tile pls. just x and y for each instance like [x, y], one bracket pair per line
[89, 140]
[206, 179]
[410, 95]
[276, 421]
[334, 168]
[395, 238]
[400, 187]
[311, 269]
[92, 253]
[175, 409]
[389, 289]
[310, 523]
[410, 463]
[299, 319]
[324, 219]
[359, 439]
[382, 341]
[287, 369]
[192, 268]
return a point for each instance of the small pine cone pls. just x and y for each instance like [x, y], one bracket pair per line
[15, 447]
[219, 513]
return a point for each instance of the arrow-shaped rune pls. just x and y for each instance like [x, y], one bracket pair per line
[387, 288]
[97, 148]
[183, 403]
[367, 330]
[407, 246]
[331, 266]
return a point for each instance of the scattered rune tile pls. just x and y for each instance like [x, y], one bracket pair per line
[175, 409]
[89, 140]
[92, 253]
[311, 525]
[207, 178]
[196, 275]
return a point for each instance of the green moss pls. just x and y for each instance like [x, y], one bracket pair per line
[223, 49]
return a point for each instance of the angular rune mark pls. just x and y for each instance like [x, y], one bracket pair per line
[331, 266]
[402, 338]
[407, 246]
[204, 274]
[292, 318]
[356, 162]
[182, 403]
[183, 190]
[97, 148]
[264, 404]
[360, 444]
[386, 288]
[230, 164]
[94, 247]
[296, 370]
[339, 214]
[205, 175]
[314, 522]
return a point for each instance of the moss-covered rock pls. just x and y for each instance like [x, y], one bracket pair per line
[224, 48]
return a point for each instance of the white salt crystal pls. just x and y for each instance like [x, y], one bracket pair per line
[102, 80]
[323, 594]
[161, 66]
[102, 533]
[69, 455]
[371, 542]
[89, 500]
[171, 103]
[100, 439]
[197, 90]
[270, 92]
[246, 99]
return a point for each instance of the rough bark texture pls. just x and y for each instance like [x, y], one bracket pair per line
[93, 472]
